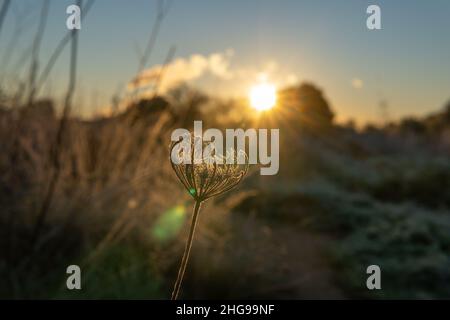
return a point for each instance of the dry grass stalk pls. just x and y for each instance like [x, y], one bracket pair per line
[203, 181]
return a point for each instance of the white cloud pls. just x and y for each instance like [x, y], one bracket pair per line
[183, 70]
[357, 83]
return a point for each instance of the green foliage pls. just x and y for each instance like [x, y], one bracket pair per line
[121, 272]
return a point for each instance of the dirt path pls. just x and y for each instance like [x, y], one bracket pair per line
[292, 260]
[260, 259]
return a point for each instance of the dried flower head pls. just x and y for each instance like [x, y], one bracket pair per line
[203, 177]
[211, 175]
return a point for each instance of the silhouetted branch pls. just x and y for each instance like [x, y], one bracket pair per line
[161, 14]
[3, 11]
[59, 48]
[19, 27]
[35, 50]
[59, 136]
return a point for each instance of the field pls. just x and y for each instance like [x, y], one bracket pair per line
[99, 192]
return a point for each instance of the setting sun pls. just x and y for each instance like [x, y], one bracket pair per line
[263, 96]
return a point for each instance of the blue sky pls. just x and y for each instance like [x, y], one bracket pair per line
[325, 42]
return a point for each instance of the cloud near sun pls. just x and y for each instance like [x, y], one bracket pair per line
[218, 65]
[185, 69]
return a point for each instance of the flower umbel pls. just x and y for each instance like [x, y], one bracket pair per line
[213, 175]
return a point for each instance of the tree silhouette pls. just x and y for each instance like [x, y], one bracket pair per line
[307, 104]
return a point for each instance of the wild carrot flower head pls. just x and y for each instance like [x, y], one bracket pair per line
[209, 174]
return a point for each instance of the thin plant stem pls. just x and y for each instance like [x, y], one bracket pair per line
[35, 52]
[43, 211]
[59, 48]
[187, 250]
[3, 11]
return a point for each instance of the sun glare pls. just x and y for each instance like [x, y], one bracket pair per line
[263, 96]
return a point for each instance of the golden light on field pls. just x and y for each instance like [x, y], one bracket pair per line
[263, 96]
